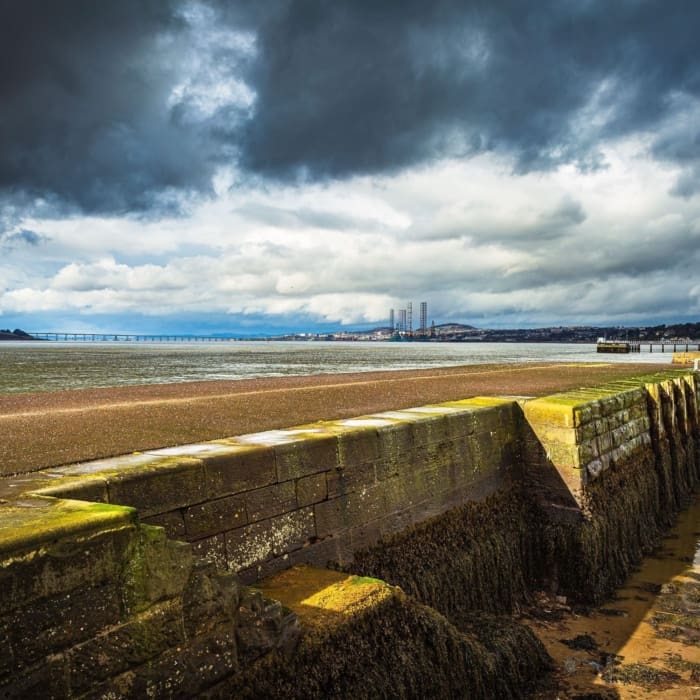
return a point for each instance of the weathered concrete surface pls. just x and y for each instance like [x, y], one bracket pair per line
[88, 424]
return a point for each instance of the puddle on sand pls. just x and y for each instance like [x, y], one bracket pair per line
[645, 642]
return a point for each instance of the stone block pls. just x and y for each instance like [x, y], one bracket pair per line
[476, 490]
[180, 673]
[460, 453]
[162, 486]
[93, 489]
[388, 468]
[396, 449]
[271, 500]
[264, 624]
[322, 554]
[365, 535]
[172, 522]
[428, 429]
[60, 566]
[566, 436]
[422, 479]
[585, 413]
[627, 431]
[312, 489]
[394, 440]
[158, 570]
[242, 468]
[309, 455]
[212, 549]
[215, 516]
[125, 646]
[490, 452]
[500, 419]
[397, 494]
[586, 432]
[341, 482]
[605, 442]
[551, 412]
[357, 446]
[335, 483]
[331, 516]
[339, 514]
[47, 679]
[396, 522]
[461, 423]
[253, 544]
[588, 451]
[54, 624]
[210, 600]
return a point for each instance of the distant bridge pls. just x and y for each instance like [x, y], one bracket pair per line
[128, 337]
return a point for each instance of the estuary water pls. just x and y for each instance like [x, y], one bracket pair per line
[55, 366]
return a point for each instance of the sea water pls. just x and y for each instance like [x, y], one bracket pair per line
[55, 366]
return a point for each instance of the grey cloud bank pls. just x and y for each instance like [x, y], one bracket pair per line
[318, 162]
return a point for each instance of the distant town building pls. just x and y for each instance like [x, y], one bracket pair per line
[392, 325]
[402, 321]
[423, 317]
[409, 317]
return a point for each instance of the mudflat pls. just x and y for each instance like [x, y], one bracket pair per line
[44, 429]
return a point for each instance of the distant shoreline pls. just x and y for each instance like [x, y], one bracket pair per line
[17, 334]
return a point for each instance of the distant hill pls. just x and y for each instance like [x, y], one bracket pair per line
[16, 334]
[454, 327]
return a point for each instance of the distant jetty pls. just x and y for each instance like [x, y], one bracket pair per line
[616, 346]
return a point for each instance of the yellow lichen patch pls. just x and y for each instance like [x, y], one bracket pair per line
[685, 358]
[480, 402]
[33, 521]
[320, 596]
[548, 411]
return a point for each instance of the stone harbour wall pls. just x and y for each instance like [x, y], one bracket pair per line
[259, 503]
[129, 577]
[95, 604]
[610, 466]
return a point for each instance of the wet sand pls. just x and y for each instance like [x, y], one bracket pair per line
[39, 430]
[643, 643]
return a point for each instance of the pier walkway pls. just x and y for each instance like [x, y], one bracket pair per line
[39, 430]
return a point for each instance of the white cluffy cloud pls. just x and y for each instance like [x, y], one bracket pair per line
[476, 242]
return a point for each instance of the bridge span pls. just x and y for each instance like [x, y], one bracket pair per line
[128, 337]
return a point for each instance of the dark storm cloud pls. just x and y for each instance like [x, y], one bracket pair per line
[84, 118]
[373, 86]
[88, 118]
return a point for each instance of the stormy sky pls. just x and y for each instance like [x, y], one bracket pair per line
[250, 166]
